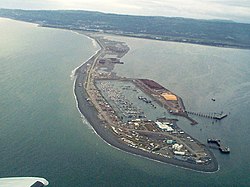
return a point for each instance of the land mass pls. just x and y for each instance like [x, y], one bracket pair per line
[112, 105]
[205, 32]
[119, 108]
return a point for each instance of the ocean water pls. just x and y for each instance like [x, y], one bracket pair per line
[42, 133]
[198, 74]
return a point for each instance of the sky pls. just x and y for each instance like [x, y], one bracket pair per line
[236, 10]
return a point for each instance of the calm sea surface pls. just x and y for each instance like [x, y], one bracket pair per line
[42, 133]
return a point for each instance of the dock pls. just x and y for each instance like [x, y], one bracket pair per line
[218, 116]
[222, 148]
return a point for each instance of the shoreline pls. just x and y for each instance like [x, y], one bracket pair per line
[89, 112]
[224, 46]
[91, 115]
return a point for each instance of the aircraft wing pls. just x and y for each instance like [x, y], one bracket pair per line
[23, 182]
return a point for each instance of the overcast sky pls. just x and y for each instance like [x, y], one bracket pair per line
[237, 10]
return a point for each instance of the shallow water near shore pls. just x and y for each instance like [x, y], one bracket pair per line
[42, 133]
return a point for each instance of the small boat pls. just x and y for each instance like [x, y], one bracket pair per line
[213, 99]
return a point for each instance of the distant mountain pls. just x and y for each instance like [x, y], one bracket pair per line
[207, 32]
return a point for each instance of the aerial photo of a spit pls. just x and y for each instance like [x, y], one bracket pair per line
[123, 111]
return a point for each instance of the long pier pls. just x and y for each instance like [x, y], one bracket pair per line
[218, 116]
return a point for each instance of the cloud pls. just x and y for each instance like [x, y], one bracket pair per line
[238, 10]
[115, 6]
[203, 9]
